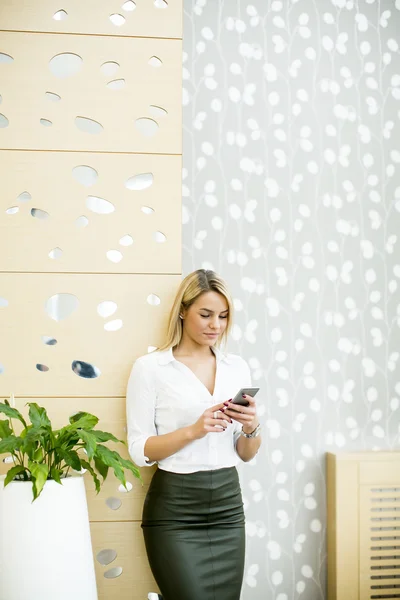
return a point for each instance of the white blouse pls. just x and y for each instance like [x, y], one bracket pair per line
[164, 395]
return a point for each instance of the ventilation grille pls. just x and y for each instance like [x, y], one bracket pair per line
[382, 550]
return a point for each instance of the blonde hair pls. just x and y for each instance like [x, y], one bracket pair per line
[192, 287]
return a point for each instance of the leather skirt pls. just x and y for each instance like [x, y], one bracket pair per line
[193, 527]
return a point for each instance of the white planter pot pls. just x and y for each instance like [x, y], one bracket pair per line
[45, 546]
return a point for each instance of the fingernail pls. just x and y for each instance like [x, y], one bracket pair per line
[222, 409]
[226, 403]
[243, 395]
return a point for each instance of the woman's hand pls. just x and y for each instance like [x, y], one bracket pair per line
[246, 415]
[208, 423]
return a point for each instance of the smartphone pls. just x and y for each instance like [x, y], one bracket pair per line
[238, 399]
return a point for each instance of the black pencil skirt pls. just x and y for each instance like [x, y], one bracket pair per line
[193, 527]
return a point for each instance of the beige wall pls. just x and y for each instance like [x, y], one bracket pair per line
[110, 233]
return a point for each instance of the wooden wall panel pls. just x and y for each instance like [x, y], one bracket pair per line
[84, 87]
[136, 580]
[149, 18]
[80, 336]
[36, 122]
[51, 181]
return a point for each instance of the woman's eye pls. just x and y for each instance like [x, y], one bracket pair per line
[205, 316]
[225, 317]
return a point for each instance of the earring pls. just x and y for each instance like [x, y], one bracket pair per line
[180, 316]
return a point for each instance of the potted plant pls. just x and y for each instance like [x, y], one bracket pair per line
[44, 523]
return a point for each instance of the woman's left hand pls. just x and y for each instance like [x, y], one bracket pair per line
[246, 415]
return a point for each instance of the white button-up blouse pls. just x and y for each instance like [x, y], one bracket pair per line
[164, 395]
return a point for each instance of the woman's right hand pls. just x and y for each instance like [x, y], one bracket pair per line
[208, 424]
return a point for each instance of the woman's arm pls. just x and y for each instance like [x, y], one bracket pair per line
[162, 446]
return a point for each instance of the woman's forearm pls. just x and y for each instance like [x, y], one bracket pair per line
[158, 447]
[247, 448]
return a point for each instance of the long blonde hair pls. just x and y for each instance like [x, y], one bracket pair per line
[192, 287]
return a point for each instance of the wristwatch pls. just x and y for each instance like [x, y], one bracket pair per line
[253, 434]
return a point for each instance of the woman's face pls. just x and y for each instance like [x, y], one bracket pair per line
[206, 319]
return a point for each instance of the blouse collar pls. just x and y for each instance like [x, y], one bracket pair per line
[167, 356]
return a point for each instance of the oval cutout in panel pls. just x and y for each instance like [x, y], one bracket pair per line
[2, 369]
[156, 62]
[100, 206]
[61, 306]
[42, 368]
[147, 210]
[129, 6]
[160, 4]
[49, 340]
[60, 15]
[88, 125]
[114, 503]
[113, 573]
[109, 68]
[3, 302]
[5, 58]
[153, 300]
[116, 84]
[1, 99]
[113, 325]
[12, 210]
[114, 255]
[24, 197]
[85, 370]
[4, 122]
[106, 556]
[85, 175]
[55, 253]
[126, 240]
[157, 111]
[38, 213]
[117, 19]
[127, 489]
[107, 308]
[82, 221]
[159, 237]
[147, 127]
[140, 182]
[8, 459]
[46, 123]
[66, 64]
[53, 97]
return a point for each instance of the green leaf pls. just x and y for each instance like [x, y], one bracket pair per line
[56, 474]
[127, 464]
[38, 416]
[90, 442]
[12, 413]
[111, 459]
[96, 480]
[103, 436]
[82, 420]
[71, 458]
[39, 472]
[12, 473]
[33, 439]
[5, 429]
[101, 467]
[10, 444]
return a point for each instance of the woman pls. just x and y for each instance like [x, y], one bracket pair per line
[179, 415]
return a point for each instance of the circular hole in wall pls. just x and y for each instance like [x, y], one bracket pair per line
[66, 64]
[114, 256]
[4, 122]
[38, 213]
[153, 300]
[61, 306]
[129, 6]
[56, 253]
[85, 175]
[156, 62]
[147, 210]
[107, 308]
[113, 325]
[139, 182]
[12, 210]
[53, 97]
[123, 490]
[46, 123]
[113, 503]
[106, 556]
[109, 68]
[88, 125]
[157, 111]
[126, 240]
[49, 340]
[113, 573]
[116, 84]
[60, 15]
[117, 19]
[41, 367]
[85, 369]
[147, 127]
[3, 302]
[24, 197]
[5, 58]
[159, 237]
[99, 206]
[82, 221]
